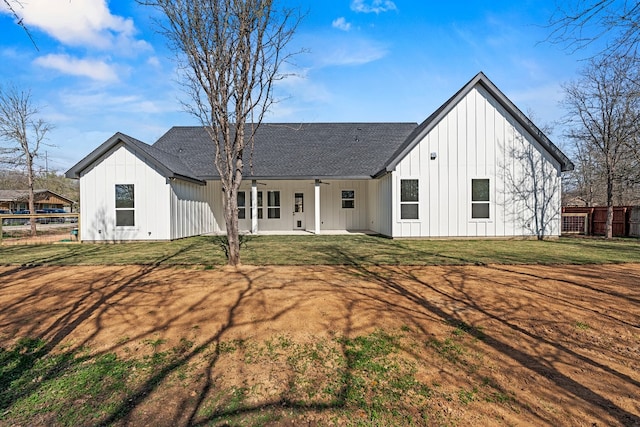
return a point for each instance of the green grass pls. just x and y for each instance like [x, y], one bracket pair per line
[331, 250]
[361, 379]
[66, 388]
[370, 379]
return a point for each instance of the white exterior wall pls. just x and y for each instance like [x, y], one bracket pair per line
[380, 207]
[192, 208]
[332, 216]
[97, 196]
[474, 141]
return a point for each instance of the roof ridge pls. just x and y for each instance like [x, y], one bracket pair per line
[434, 118]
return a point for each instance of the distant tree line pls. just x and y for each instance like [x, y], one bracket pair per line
[603, 103]
[603, 120]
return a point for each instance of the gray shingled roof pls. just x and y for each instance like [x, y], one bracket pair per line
[297, 150]
[308, 150]
[168, 164]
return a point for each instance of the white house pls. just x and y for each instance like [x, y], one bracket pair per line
[477, 167]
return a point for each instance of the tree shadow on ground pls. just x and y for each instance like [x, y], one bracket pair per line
[395, 279]
[70, 312]
[123, 288]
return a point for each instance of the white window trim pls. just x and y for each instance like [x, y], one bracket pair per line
[400, 202]
[343, 199]
[489, 202]
[116, 209]
[279, 207]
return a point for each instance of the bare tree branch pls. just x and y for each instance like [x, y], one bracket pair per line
[20, 21]
[604, 115]
[577, 24]
[230, 54]
[23, 133]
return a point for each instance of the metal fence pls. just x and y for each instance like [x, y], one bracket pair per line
[50, 228]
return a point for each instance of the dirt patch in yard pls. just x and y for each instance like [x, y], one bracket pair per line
[495, 345]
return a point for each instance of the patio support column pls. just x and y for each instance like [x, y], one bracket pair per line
[317, 206]
[254, 206]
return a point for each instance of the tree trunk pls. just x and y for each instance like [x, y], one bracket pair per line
[609, 223]
[231, 222]
[32, 204]
[230, 201]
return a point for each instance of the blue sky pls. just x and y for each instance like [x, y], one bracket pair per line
[101, 68]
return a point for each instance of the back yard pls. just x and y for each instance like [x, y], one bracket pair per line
[351, 331]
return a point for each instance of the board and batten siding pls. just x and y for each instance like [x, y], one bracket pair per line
[380, 206]
[333, 216]
[192, 208]
[477, 139]
[120, 165]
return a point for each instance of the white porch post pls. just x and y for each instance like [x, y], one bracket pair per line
[254, 206]
[317, 206]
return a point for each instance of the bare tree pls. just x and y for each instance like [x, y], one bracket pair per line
[579, 23]
[11, 5]
[231, 53]
[604, 115]
[586, 182]
[23, 133]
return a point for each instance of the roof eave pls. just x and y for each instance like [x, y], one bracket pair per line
[120, 138]
[444, 109]
[296, 178]
[75, 171]
[188, 179]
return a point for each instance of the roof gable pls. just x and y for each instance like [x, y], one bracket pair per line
[169, 165]
[308, 150]
[479, 79]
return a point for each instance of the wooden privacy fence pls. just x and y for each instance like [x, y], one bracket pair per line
[591, 221]
[634, 222]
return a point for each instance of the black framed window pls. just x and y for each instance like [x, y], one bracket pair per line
[480, 199]
[409, 199]
[348, 199]
[241, 205]
[273, 204]
[125, 205]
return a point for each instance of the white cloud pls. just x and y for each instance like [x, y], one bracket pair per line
[376, 6]
[351, 52]
[78, 22]
[96, 70]
[117, 104]
[332, 48]
[154, 62]
[341, 24]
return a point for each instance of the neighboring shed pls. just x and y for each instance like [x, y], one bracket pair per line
[15, 200]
